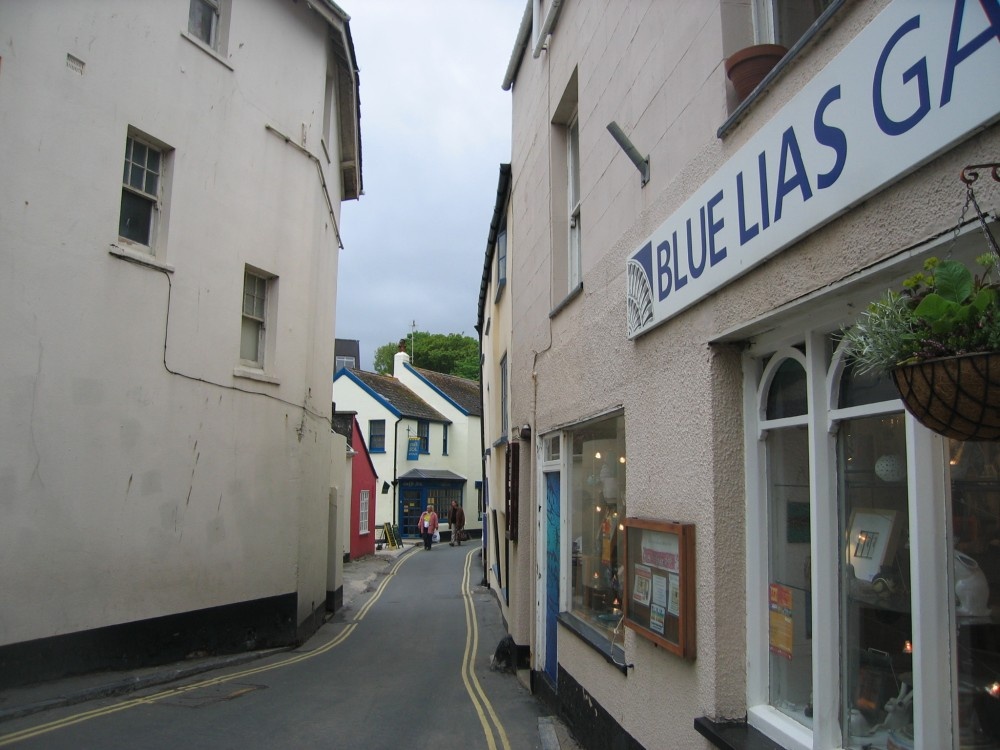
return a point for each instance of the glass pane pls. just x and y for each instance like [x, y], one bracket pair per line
[136, 218]
[597, 508]
[250, 341]
[875, 582]
[135, 179]
[152, 183]
[793, 17]
[139, 153]
[975, 488]
[201, 21]
[857, 389]
[153, 161]
[789, 573]
[787, 396]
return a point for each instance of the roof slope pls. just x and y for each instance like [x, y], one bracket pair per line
[397, 395]
[464, 392]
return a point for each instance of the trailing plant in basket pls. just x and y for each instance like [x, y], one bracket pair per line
[946, 310]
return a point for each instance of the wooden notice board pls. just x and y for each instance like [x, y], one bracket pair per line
[659, 583]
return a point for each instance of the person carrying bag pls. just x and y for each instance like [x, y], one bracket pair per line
[427, 524]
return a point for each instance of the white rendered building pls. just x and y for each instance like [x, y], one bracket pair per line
[173, 176]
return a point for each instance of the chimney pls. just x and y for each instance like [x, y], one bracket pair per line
[401, 358]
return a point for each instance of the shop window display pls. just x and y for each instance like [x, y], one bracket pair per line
[975, 492]
[597, 511]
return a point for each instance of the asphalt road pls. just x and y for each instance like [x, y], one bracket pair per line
[405, 665]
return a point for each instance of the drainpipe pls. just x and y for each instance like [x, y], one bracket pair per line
[395, 472]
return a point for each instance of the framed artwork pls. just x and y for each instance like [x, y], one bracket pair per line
[659, 601]
[871, 541]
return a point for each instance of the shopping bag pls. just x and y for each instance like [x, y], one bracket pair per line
[437, 537]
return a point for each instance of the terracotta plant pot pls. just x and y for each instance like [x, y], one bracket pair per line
[747, 67]
[958, 397]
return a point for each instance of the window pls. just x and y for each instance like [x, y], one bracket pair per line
[444, 440]
[596, 498]
[423, 433]
[376, 435]
[363, 526]
[503, 397]
[566, 196]
[870, 533]
[343, 362]
[785, 21]
[255, 288]
[143, 184]
[501, 257]
[573, 181]
[208, 22]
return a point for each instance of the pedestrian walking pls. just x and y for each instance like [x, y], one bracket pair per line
[456, 521]
[428, 525]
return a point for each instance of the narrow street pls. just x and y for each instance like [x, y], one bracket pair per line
[406, 663]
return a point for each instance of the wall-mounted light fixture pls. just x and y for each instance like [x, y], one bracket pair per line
[642, 164]
[522, 433]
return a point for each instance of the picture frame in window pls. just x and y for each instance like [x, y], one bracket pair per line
[659, 591]
[871, 542]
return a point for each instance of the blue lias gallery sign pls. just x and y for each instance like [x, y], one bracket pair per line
[920, 77]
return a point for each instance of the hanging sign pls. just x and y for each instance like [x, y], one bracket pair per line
[412, 448]
[908, 87]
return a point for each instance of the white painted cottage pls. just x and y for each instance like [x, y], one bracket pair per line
[423, 431]
[173, 172]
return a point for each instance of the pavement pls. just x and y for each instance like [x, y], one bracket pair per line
[359, 577]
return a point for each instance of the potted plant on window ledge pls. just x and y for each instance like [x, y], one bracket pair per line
[747, 67]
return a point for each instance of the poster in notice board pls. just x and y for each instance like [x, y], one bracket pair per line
[659, 583]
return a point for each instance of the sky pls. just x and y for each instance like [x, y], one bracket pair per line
[435, 127]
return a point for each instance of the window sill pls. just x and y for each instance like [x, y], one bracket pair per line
[574, 293]
[376, 450]
[502, 440]
[733, 735]
[207, 50]
[777, 70]
[251, 373]
[501, 285]
[140, 257]
[595, 640]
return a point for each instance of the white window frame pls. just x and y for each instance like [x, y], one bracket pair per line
[156, 240]
[218, 40]
[574, 239]
[364, 499]
[935, 677]
[349, 362]
[259, 368]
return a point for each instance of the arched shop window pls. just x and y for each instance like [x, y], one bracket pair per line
[873, 562]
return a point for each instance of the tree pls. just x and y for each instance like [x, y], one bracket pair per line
[450, 353]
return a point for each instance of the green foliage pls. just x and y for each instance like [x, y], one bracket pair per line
[450, 353]
[944, 311]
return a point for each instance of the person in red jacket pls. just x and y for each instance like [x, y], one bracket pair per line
[427, 525]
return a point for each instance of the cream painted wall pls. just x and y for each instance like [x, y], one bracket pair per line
[139, 477]
[657, 69]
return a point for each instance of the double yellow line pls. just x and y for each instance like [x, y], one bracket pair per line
[472, 686]
[25, 734]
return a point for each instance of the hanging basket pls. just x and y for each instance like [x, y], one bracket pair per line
[958, 397]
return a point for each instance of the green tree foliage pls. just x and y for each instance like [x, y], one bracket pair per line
[450, 353]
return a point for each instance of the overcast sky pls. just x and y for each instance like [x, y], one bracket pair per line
[435, 127]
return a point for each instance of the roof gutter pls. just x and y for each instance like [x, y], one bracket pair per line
[520, 45]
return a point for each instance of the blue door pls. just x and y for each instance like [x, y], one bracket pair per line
[551, 572]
